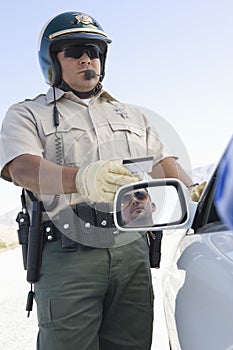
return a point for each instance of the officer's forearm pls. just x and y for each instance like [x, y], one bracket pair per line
[168, 167]
[42, 176]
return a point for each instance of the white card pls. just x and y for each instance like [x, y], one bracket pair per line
[139, 165]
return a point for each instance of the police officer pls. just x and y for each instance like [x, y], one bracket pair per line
[66, 147]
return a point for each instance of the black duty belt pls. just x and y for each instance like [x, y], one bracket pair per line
[89, 225]
[96, 214]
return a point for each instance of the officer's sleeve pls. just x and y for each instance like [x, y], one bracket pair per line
[18, 136]
[156, 145]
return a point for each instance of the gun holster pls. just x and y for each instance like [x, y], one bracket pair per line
[23, 221]
[155, 239]
[30, 236]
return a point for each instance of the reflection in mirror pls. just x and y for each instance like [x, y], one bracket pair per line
[137, 208]
[150, 205]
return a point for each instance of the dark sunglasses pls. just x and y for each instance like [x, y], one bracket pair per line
[76, 51]
[139, 195]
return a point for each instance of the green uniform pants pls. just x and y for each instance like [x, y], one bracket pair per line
[95, 299]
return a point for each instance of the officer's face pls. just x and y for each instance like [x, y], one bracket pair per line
[137, 209]
[73, 71]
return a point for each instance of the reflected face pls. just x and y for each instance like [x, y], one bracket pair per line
[137, 208]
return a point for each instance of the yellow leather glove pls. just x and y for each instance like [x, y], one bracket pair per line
[196, 191]
[100, 180]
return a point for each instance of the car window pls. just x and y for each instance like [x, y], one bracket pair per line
[207, 217]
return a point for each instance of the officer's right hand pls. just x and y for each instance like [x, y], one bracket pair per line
[99, 181]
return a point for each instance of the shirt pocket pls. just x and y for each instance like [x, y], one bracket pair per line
[129, 139]
[68, 144]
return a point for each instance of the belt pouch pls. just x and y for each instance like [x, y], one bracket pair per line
[68, 244]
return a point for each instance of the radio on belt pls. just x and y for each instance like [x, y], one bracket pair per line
[139, 165]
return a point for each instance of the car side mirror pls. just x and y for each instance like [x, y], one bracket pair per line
[152, 205]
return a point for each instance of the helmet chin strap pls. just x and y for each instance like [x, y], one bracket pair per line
[65, 87]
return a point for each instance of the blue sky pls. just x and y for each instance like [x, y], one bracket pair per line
[174, 57]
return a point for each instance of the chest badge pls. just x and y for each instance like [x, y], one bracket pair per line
[122, 112]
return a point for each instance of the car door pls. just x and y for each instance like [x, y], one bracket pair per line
[198, 281]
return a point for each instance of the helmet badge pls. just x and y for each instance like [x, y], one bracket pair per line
[83, 18]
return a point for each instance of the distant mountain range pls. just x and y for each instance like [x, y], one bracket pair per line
[202, 173]
[8, 225]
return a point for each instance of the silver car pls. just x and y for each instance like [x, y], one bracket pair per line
[196, 265]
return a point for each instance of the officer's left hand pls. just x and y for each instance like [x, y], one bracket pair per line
[196, 191]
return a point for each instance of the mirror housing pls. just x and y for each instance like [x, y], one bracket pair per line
[152, 205]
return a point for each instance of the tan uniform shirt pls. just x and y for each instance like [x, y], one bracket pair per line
[105, 129]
